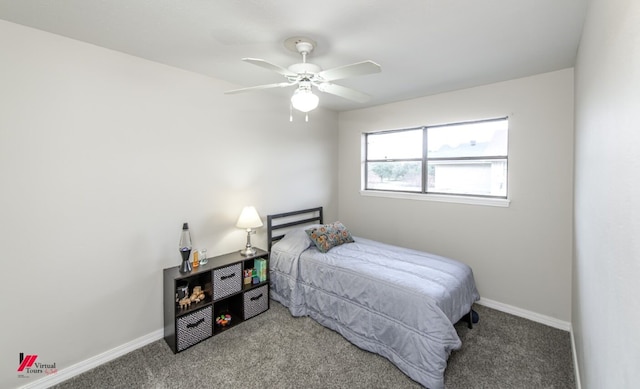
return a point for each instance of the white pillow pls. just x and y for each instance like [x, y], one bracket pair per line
[294, 241]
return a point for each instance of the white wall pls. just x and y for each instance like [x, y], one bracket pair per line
[606, 302]
[103, 156]
[520, 255]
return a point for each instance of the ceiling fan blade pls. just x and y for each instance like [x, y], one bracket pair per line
[273, 67]
[344, 92]
[355, 69]
[259, 87]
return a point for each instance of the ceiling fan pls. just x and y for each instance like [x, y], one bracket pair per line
[307, 75]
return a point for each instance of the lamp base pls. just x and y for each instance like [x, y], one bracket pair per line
[185, 267]
[248, 251]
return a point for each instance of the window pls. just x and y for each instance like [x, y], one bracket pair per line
[464, 159]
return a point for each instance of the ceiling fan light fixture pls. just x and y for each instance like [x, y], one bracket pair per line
[304, 100]
[307, 75]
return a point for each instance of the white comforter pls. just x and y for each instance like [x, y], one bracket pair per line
[393, 301]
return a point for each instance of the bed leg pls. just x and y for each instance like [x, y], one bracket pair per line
[470, 325]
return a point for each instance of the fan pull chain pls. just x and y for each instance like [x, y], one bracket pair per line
[290, 113]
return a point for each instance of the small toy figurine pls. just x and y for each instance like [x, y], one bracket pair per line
[197, 295]
[184, 303]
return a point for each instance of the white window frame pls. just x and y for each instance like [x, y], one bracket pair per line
[425, 196]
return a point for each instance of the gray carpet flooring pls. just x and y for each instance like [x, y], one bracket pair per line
[276, 350]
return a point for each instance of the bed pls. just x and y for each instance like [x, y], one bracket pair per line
[399, 303]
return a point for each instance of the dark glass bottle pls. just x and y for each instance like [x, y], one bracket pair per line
[185, 248]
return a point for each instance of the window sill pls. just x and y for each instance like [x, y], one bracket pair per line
[440, 198]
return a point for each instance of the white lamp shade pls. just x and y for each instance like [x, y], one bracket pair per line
[249, 218]
[304, 100]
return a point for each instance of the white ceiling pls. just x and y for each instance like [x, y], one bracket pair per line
[424, 46]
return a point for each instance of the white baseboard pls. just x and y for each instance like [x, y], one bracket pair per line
[543, 319]
[533, 316]
[88, 364]
[576, 369]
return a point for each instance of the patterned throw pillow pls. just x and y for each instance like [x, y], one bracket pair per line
[328, 236]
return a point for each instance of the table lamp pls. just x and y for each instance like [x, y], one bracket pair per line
[249, 220]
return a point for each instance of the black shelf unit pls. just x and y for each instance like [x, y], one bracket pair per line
[221, 278]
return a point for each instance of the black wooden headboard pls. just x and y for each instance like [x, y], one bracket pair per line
[279, 223]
